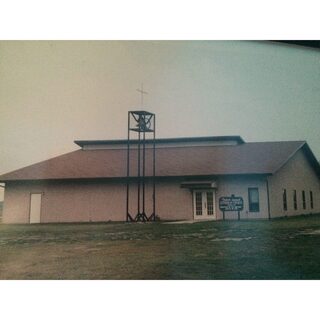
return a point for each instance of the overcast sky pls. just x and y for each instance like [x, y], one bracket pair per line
[52, 93]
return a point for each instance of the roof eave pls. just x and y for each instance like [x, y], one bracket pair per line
[135, 177]
[239, 139]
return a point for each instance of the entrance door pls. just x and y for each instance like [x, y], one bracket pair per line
[35, 207]
[204, 204]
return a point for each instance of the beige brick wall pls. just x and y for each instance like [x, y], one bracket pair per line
[93, 201]
[104, 201]
[296, 174]
[16, 204]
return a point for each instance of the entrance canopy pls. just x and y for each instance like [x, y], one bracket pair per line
[199, 184]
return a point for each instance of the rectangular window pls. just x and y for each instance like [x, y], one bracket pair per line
[253, 199]
[210, 203]
[284, 200]
[311, 200]
[295, 205]
[199, 203]
[303, 200]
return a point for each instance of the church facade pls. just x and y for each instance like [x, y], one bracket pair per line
[273, 179]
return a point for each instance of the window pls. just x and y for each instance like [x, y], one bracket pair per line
[295, 205]
[253, 199]
[210, 203]
[303, 199]
[311, 200]
[284, 200]
[199, 203]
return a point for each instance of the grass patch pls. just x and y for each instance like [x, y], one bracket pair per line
[276, 249]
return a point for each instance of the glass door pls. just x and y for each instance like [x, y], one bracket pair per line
[204, 204]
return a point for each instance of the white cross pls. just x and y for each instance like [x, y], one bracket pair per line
[142, 93]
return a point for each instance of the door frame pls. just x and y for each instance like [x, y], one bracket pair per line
[30, 206]
[204, 215]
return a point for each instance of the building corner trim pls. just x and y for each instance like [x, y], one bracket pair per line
[268, 198]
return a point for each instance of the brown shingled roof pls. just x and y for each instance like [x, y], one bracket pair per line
[246, 158]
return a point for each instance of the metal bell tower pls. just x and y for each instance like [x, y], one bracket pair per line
[142, 123]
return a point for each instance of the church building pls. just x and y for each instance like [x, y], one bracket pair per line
[193, 176]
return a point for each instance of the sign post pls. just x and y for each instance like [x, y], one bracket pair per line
[231, 204]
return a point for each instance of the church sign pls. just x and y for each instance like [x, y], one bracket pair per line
[232, 203]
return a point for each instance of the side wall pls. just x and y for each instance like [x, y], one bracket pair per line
[296, 174]
[93, 201]
[238, 185]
